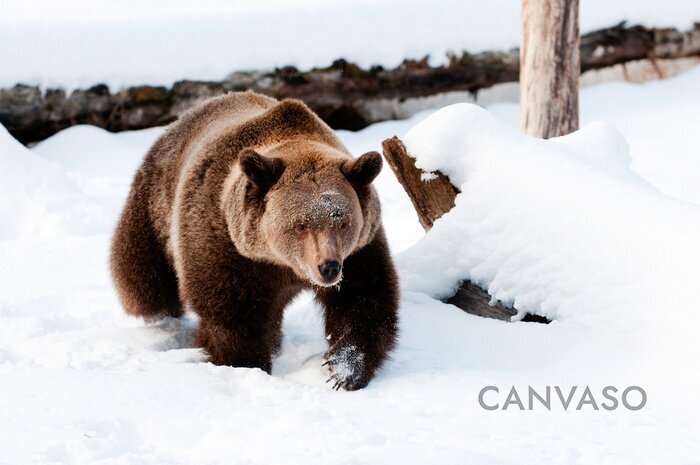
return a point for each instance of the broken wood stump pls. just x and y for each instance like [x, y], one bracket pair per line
[433, 195]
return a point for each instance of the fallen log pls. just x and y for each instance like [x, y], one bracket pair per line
[343, 94]
[433, 195]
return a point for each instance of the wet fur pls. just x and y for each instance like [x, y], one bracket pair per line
[187, 236]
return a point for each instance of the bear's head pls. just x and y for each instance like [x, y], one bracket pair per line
[308, 211]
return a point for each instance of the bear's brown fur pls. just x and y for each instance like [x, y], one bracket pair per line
[240, 204]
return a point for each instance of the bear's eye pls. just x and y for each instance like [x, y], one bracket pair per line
[343, 225]
[300, 227]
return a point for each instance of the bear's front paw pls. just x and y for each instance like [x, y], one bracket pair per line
[347, 368]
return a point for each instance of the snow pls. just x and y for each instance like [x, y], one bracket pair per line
[79, 43]
[43, 201]
[597, 230]
[664, 122]
[102, 164]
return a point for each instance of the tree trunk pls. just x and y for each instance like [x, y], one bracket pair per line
[550, 66]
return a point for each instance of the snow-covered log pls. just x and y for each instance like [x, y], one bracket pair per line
[433, 195]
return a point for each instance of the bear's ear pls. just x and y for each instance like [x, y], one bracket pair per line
[362, 170]
[262, 171]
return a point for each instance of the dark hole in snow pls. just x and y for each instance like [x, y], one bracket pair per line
[531, 318]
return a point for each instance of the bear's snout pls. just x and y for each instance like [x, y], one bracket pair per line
[329, 270]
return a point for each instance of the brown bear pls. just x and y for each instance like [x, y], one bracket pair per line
[243, 202]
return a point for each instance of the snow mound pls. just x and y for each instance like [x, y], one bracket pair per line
[561, 228]
[101, 163]
[99, 152]
[37, 198]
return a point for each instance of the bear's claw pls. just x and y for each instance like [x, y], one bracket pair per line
[334, 377]
[351, 382]
[338, 383]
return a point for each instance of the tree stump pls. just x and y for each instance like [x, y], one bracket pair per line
[433, 195]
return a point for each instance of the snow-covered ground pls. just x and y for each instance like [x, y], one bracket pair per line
[79, 43]
[602, 239]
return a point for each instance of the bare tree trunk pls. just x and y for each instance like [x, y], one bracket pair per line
[550, 66]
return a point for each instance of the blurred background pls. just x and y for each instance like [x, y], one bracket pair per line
[136, 64]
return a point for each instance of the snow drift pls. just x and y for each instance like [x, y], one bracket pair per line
[37, 197]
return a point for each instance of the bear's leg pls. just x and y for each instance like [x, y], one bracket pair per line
[145, 281]
[240, 319]
[236, 343]
[361, 315]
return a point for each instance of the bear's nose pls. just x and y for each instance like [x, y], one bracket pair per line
[329, 270]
